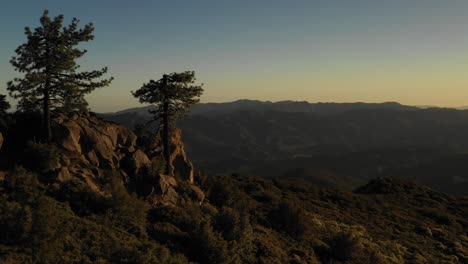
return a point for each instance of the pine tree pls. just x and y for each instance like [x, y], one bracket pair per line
[48, 62]
[172, 95]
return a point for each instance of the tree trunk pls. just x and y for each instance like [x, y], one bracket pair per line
[46, 113]
[47, 131]
[166, 136]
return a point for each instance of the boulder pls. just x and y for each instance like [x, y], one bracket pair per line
[68, 135]
[91, 146]
[102, 143]
[171, 197]
[92, 158]
[137, 164]
[197, 194]
[165, 183]
[63, 174]
[168, 191]
[163, 190]
[182, 167]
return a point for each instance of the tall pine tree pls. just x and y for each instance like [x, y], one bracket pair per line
[172, 95]
[48, 62]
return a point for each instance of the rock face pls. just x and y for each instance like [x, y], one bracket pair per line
[93, 148]
[181, 165]
[137, 164]
[99, 143]
[90, 147]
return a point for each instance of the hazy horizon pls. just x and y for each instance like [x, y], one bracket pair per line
[316, 51]
[298, 101]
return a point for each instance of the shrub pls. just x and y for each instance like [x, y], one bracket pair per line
[82, 200]
[15, 221]
[40, 157]
[23, 186]
[437, 215]
[168, 233]
[227, 222]
[209, 246]
[224, 192]
[291, 219]
[343, 246]
[126, 211]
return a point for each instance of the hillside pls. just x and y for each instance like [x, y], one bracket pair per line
[324, 143]
[97, 196]
[264, 130]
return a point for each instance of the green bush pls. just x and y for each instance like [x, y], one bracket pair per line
[438, 216]
[40, 158]
[291, 219]
[82, 200]
[227, 222]
[224, 191]
[23, 186]
[168, 233]
[37, 228]
[209, 246]
[124, 210]
[15, 221]
[343, 246]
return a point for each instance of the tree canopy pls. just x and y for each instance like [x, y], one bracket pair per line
[179, 93]
[48, 61]
[172, 95]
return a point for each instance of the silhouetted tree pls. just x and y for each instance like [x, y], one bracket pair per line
[48, 61]
[172, 95]
[4, 106]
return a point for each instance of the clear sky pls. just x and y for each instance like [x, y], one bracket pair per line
[411, 51]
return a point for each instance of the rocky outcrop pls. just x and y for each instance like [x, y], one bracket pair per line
[167, 188]
[92, 148]
[181, 165]
[169, 191]
[137, 164]
[95, 142]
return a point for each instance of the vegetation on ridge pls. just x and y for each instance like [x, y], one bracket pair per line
[48, 62]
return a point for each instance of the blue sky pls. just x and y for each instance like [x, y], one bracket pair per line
[414, 52]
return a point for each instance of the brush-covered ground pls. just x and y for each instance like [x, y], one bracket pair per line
[247, 220]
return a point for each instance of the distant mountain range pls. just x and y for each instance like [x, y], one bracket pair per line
[322, 141]
[285, 106]
[255, 130]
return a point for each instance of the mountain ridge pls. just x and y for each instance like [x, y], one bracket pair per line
[225, 140]
[285, 105]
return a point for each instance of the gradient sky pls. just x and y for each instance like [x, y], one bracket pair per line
[411, 51]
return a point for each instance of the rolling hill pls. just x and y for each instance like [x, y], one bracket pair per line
[331, 144]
